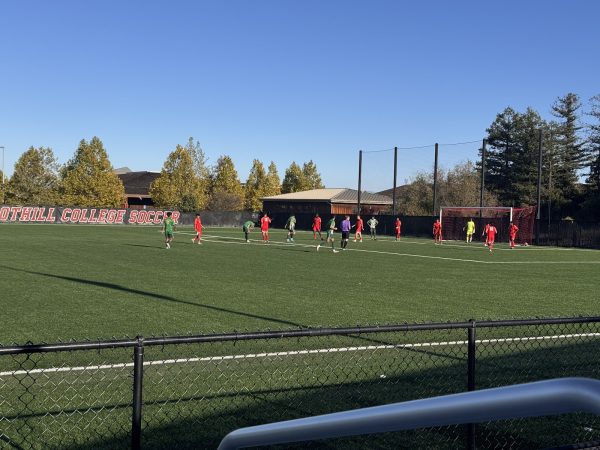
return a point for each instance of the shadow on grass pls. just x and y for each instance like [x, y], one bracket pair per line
[118, 287]
[222, 404]
[155, 247]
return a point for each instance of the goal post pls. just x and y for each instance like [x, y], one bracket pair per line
[454, 221]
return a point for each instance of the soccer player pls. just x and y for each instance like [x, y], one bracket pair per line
[372, 222]
[345, 227]
[264, 227]
[317, 227]
[437, 231]
[491, 236]
[330, 238]
[359, 228]
[485, 233]
[197, 229]
[397, 228]
[470, 230]
[169, 227]
[248, 225]
[512, 234]
[290, 225]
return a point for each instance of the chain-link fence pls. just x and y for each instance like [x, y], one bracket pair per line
[189, 392]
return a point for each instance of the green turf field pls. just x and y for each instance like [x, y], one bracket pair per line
[75, 282]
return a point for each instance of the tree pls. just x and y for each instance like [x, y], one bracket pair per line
[416, 197]
[272, 181]
[178, 186]
[35, 178]
[570, 150]
[255, 186]
[226, 189]
[310, 176]
[512, 155]
[2, 188]
[593, 145]
[460, 186]
[199, 164]
[88, 178]
[293, 181]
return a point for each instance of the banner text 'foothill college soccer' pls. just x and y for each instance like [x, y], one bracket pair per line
[42, 214]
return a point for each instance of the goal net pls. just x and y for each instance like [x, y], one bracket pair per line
[454, 222]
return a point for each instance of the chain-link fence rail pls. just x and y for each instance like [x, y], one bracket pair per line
[190, 391]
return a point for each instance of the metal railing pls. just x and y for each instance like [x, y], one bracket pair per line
[542, 398]
[190, 391]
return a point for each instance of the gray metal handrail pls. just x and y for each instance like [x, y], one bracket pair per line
[542, 398]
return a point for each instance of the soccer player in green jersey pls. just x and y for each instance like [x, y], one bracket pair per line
[169, 226]
[248, 225]
[290, 225]
[373, 222]
[330, 238]
[470, 230]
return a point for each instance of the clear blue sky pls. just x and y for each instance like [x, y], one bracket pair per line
[285, 80]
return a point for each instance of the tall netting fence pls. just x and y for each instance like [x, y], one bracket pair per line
[197, 389]
[446, 173]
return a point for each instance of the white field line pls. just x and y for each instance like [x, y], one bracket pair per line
[236, 241]
[293, 353]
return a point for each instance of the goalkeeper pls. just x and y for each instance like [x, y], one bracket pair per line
[470, 230]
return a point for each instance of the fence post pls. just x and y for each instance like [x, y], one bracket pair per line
[471, 359]
[138, 375]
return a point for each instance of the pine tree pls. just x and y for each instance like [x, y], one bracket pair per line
[35, 178]
[512, 155]
[88, 178]
[593, 145]
[311, 176]
[570, 150]
[226, 190]
[293, 181]
[255, 186]
[178, 186]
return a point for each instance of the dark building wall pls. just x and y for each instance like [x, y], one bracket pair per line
[279, 207]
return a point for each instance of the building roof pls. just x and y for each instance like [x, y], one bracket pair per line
[138, 183]
[122, 170]
[332, 195]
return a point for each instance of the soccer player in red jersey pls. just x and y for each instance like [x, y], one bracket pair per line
[264, 227]
[317, 227]
[491, 236]
[197, 229]
[485, 233]
[512, 234]
[397, 227]
[360, 226]
[437, 231]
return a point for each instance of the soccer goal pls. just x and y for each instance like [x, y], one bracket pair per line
[454, 222]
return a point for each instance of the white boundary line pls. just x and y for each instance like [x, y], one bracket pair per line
[217, 239]
[292, 353]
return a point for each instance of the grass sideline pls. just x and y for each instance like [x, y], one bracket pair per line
[87, 282]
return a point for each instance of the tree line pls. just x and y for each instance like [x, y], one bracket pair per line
[570, 165]
[570, 172]
[186, 182]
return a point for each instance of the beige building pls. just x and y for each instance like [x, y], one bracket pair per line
[326, 202]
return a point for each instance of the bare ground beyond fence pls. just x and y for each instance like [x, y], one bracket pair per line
[189, 392]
